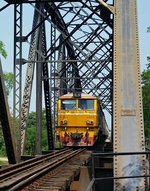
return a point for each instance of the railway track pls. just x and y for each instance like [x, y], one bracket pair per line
[53, 171]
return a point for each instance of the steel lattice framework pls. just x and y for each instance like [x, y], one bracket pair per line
[81, 55]
[75, 55]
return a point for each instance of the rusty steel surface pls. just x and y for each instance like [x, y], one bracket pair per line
[128, 116]
[43, 171]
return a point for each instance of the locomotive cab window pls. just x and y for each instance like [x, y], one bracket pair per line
[68, 104]
[86, 104]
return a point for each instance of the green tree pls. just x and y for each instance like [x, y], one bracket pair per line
[146, 99]
[30, 141]
[9, 82]
[31, 133]
[2, 49]
[8, 76]
[2, 143]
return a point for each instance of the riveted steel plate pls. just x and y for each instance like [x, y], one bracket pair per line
[128, 135]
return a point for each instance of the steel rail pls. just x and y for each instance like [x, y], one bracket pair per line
[10, 170]
[26, 177]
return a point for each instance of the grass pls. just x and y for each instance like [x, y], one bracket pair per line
[3, 161]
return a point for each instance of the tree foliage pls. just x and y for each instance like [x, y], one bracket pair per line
[31, 133]
[2, 49]
[8, 76]
[9, 82]
[146, 99]
[2, 143]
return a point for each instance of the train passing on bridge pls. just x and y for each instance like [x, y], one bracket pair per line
[81, 121]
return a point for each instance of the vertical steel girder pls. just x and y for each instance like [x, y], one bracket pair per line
[37, 53]
[53, 74]
[128, 115]
[5, 122]
[61, 68]
[38, 144]
[17, 93]
[47, 94]
[29, 77]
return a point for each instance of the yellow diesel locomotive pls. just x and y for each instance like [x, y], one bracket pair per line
[81, 121]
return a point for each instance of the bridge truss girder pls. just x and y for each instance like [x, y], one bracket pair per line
[78, 56]
[6, 122]
[92, 49]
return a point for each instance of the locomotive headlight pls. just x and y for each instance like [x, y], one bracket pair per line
[89, 122]
[64, 122]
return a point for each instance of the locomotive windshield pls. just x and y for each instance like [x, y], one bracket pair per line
[86, 104]
[69, 104]
[83, 104]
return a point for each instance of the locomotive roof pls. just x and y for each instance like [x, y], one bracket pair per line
[83, 95]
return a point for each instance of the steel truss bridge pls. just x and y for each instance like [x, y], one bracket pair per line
[86, 45]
